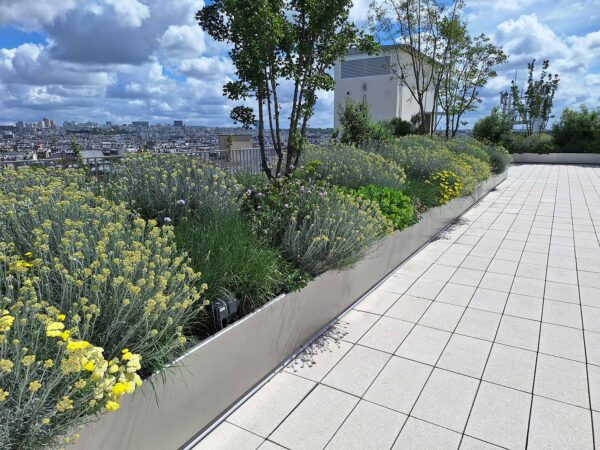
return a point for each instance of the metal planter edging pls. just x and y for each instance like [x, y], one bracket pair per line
[205, 382]
[556, 158]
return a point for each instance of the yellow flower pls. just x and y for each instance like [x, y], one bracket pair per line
[61, 317]
[54, 329]
[34, 386]
[89, 366]
[28, 360]
[111, 406]
[6, 321]
[64, 404]
[45, 421]
[80, 384]
[48, 363]
[6, 365]
[3, 395]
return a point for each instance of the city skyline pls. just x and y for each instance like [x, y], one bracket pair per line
[147, 60]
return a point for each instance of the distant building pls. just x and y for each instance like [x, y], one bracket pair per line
[178, 123]
[235, 141]
[370, 79]
[141, 124]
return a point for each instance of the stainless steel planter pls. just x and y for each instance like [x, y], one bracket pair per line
[203, 384]
[556, 158]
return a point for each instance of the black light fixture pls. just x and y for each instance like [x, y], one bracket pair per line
[224, 312]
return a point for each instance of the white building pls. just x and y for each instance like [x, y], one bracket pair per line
[370, 78]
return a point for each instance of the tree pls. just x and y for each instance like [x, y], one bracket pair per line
[578, 131]
[76, 149]
[471, 63]
[273, 41]
[493, 128]
[535, 104]
[423, 46]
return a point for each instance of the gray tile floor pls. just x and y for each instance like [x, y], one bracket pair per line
[489, 337]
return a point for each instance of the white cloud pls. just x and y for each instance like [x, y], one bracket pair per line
[130, 12]
[33, 14]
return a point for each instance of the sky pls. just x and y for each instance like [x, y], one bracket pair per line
[124, 60]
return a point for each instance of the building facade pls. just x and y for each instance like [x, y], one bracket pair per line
[370, 79]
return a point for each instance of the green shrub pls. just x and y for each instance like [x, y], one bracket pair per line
[423, 194]
[393, 203]
[578, 131]
[356, 125]
[536, 143]
[500, 158]
[350, 167]
[398, 127]
[315, 226]
[493, 128]
[167, 187]
[233, 261]
[469, 146]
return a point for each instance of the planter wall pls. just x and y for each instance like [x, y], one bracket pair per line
[203, 384]
[556, 158]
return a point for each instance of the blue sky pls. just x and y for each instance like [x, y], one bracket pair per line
[123, 60]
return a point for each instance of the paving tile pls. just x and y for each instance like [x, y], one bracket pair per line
[399, 384]
[511, 366]
[489, 300]
[423, 344]
[451, 259]
[561, 292]
[440, 272]
[531, 271]
[518, 332]
[558, 275]
[446, 399]
[594, 379]
[476, 262]
[265, 410]
[387, 334]
[479, 324]
[377, 302]
[412, 268]
[496, 282]
[369, 426]
[592, 346]
[227, 436]
[426, 288]
[315, 420]
[408, 308]
[528, 286]
[419, 435]
[397, 283]
[319, 358]
[502, 266]
[442, 316]
[470, 443]
[524, 306]
[534, 258]
[508, 255]
[500, 415]
[590, 296]
[465, 355]
[562, 261]
[562, 341]
[456, 294]
[470, 277]
[591, 318]
[268, 445]
[354, 324]
[512, 245]
[356, 370]
[561, 313]
[590, 279]
[555, 425]
[561, 379]
[596, 420]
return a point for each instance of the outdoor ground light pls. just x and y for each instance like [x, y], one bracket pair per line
[224, 312]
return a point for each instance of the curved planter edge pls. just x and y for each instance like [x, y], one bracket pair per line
[556, 158]
[178, 404]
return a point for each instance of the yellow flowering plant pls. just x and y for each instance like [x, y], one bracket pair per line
[51, 381]
[104, 267]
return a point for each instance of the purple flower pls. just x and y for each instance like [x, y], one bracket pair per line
[301, 188]
[249, 192]
[167, 220]
[260, 194]
[181, 202]
[286, 206]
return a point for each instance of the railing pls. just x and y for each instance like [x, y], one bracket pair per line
[233, 161]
